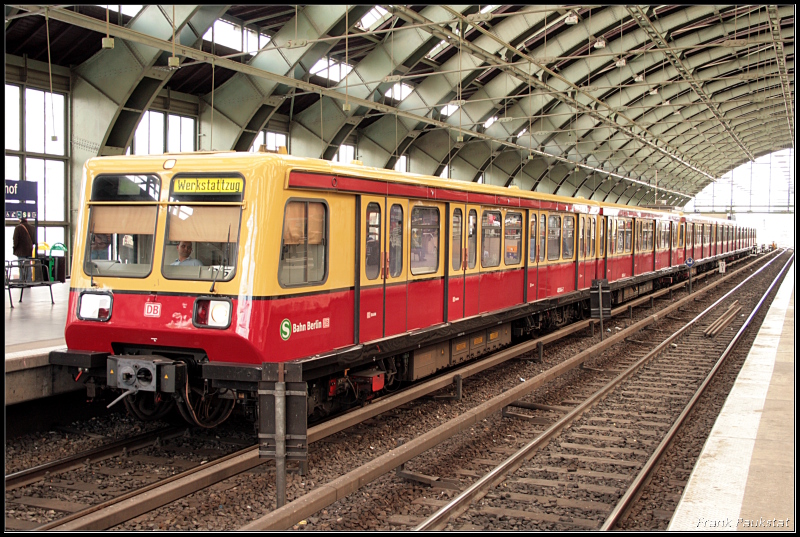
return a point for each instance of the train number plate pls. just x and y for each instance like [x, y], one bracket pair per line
[152, 309]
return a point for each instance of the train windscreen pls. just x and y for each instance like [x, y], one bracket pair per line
[121, 226]
[202, 232]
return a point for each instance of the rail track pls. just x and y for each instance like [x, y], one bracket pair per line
[606, 447]
[108, 514]
[612, 422]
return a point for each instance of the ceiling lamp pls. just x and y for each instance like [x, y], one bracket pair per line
[654, 91]
[572, 18]
[621, 62]
[600, 43]
[639, 78]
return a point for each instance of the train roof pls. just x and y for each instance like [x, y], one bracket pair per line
[358, 170]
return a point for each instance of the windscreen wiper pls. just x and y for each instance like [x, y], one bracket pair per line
[224, 261]
[92, 265]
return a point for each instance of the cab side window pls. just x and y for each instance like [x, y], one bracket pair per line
[304, 244]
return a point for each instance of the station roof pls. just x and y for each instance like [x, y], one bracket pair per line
[614, 97]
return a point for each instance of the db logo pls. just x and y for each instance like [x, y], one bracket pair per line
[152, 309]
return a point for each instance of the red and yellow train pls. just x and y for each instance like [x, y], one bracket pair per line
[190, 271]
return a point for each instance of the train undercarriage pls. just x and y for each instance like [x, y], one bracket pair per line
[155, 380]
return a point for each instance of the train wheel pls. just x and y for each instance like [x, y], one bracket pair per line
[205, 410]
[148, 406]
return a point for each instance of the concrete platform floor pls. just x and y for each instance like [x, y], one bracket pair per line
[35, 323]
[744, 479]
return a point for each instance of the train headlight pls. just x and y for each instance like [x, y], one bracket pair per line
[94, 307]
[212, 313]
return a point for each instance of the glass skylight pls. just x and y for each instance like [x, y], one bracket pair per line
[331, 69]
[399, 91]
[373, 19]
[130, 11]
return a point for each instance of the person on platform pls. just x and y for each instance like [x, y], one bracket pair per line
[184, 251]
[23, 246]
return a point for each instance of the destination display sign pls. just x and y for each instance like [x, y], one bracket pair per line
[208, 185]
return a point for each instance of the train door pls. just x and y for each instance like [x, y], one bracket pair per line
[532, 264]
[395, 274]
[383, 288]
[428, 233]
[542, 281]
[680, 253]
[371, 289]
[581, 257]
[472, 274]
[602, 262]
[590, 264]
[458, 264]
[464, 273]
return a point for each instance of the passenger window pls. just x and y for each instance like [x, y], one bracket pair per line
[602, 237]
[674, 235]
[682, 237]
[395, 241]
[304, 244]
[513, 238]
[372, 256]
[593, 236]
[472, 239]
[491, 233]
[568, 238]
[612, 236]
[582, 238]
[532, 240]
[628, 235]
[554, 238]
[424, 240]
[542, 236]
[456, 244]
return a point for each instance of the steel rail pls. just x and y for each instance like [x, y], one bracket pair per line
[31, 475]
[624, 504]
[460, 503]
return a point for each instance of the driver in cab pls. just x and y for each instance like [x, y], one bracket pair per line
[184, 251]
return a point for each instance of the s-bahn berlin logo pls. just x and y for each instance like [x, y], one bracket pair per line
[288, 327]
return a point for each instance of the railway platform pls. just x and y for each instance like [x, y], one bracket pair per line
[33, 328]
[744, 478]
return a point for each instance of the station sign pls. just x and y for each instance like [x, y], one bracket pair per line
[21, 198]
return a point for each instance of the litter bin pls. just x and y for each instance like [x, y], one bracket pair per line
[58, 264]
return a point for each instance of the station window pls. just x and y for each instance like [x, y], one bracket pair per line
[270, 140]
[33, 118]
[424, 240]
[159, 133]
[304, 244]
